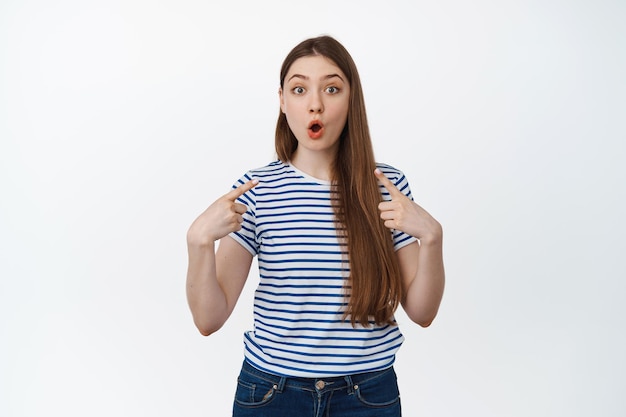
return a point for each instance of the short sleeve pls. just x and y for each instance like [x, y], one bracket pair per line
[400, 239]
[247, 236]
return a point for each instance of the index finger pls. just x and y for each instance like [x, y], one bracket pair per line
[241, 190]
[393, 190]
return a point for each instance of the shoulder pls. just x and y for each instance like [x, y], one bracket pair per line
[272, 169]
[394, 174]
[275, 168]
[274, 175]
[397, 177]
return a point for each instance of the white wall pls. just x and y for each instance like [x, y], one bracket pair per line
[120, 121]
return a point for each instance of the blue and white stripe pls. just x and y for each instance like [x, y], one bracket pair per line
[301, 297]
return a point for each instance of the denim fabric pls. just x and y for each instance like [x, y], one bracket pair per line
[371, 394]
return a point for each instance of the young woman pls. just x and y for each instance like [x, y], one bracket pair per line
[340, 244]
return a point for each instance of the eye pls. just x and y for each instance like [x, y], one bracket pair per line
[332, 90]
[298, 90]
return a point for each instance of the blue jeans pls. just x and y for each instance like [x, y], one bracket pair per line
[371, 394]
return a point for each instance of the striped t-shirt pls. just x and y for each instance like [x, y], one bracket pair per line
[300, 301]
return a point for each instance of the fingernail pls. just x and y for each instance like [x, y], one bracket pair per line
[255, 181]
[377, 171]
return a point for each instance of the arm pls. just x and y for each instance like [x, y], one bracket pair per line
[421, 264]
[423, 280]
[215, 281]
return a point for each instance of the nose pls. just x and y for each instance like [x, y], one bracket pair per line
[316, 106]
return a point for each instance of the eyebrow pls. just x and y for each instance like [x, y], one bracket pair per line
[305, 77]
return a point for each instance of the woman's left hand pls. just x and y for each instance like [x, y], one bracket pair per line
[401, 213]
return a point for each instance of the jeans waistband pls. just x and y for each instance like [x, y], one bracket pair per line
[315, 384]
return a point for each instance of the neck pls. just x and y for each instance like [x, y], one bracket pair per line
[316, 164]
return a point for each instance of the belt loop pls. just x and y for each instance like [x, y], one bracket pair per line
[281, 384]
[348, 379]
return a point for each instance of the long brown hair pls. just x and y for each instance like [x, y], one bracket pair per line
[375, 281]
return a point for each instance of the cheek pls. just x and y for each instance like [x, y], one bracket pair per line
[293, 123]
[291, 108]
[340, 113]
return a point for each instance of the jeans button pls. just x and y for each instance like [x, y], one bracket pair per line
[320, 385]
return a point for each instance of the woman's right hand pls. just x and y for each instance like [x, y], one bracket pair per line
[222, 217]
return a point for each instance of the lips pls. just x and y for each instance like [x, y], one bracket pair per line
[315, 129]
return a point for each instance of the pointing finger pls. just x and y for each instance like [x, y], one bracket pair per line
[393, 190]
[241, 190]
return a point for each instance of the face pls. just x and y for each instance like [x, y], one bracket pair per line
[315, 99]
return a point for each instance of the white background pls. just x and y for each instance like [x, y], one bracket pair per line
[120, 121]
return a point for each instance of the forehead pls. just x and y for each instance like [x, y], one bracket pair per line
[315, 66]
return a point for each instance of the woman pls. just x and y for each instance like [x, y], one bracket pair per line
[340, 244]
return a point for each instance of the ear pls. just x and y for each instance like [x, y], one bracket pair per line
[282, 100]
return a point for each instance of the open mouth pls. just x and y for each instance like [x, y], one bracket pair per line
[315, 125]
[316, 129]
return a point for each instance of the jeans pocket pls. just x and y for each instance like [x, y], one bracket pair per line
[381, 391]
[253, 391]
